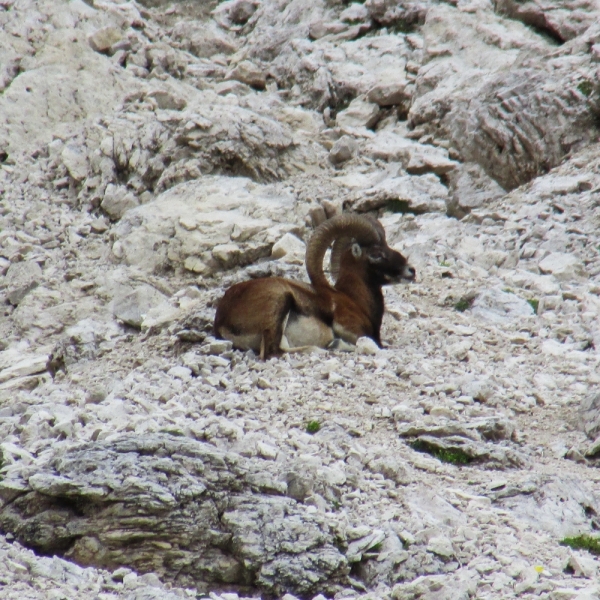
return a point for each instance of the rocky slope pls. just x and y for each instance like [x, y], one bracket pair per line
[154, 153]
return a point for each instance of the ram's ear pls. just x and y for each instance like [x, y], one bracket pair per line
[356, 250]
[376, 256]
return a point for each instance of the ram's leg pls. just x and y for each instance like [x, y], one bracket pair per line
[272, 336]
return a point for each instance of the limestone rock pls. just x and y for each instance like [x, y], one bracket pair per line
[388, 94]
[589, 415]
[132, 308]
[562, 21]
[75, 161]
[498, 306]
[247, 72]
[202, 40]
[405, 194]
[129, 473]
[206, 226]
[23, 366]
[359, 115]
[289, 249]
[102, 39]
[21, 278]
[117, 201]
[343, 150]
[565, 267]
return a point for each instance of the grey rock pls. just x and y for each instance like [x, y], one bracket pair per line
[470, 188]
[167, 100]
[132, 307]
[76, 162]
[588, 418]
[205, 226]
[563, 20]
[498, 306]
[203, 40]
[404, 194]
[537, 503]
[22, 366]
[117, 201]
[219, 512]
[389, 94]
[102, 39]
[249, 73]
[360, 114]
[498, 457]
[565, 267]
[21, 278]
[343, 150]
[290, 249]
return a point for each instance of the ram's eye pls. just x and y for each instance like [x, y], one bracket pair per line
[376, 256]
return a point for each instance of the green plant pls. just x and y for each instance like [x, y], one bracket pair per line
[585, 87]
[508, 290]
[313, 427]
[444, 263]
[399, 206]
[401, 26]
[463, 304]
[534, 303]
[454, 456]
[583, 542]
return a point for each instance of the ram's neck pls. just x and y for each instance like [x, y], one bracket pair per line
[367, 296]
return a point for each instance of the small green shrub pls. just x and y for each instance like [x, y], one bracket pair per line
[313, 427]
[452, 456]
[402, 26]
[583, 542]
[534, 303]
[586, 87]
[463, 304]
[399, 206]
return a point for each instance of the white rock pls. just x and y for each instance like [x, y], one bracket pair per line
[343, 150]
[24, 365]
[117, 201]
[247, 72]
[290, 249]
[180, 372]
[442, 546]
[102, 39]
[360, 114]
[565, 267]
[388, 93]
[132, 308]
[499, 307]
[20, 279]
[76, 162]
[366, 346]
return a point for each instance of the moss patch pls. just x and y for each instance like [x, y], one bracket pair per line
[583, 542]
[453, 456]
[534, 303]
[463, 304]
[313, 427]
[586, 87]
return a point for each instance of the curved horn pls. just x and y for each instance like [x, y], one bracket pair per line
[340, 244]
[349, 225]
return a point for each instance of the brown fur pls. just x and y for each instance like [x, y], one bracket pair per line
[253, 314]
